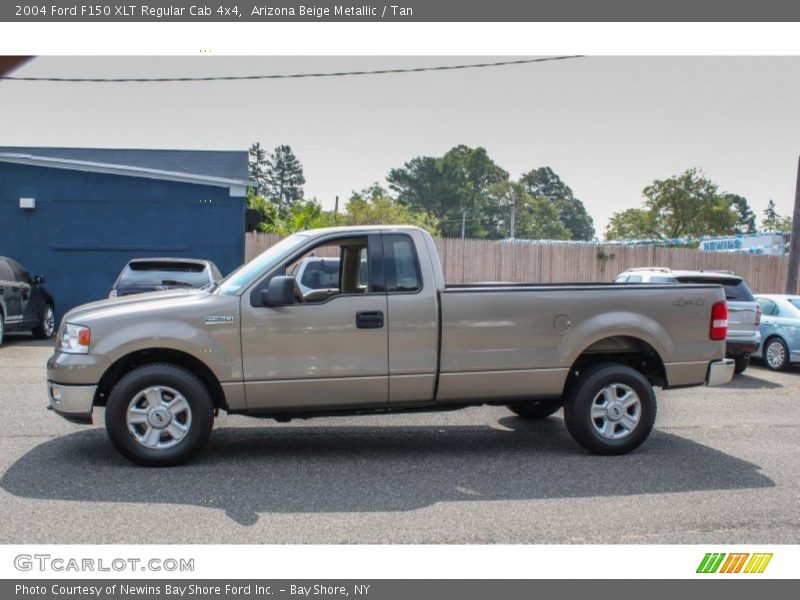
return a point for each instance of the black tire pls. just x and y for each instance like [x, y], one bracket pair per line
[2, 328]
[46, 327]
[580, 399]
[535, 409]
[197, 426]
[781, 345]
[742, 362]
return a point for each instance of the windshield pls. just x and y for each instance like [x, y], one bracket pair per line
[795, 302]
[163, 273]
[248, 272]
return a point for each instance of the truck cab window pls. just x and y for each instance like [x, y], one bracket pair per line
[332, 268]
[402, 267]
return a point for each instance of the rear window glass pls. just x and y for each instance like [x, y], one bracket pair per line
[321, 274]
[155, 273]
[661, 279]
[736, 290]
[768, 307]
[402, 272]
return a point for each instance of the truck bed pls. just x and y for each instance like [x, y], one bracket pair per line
[526, 342]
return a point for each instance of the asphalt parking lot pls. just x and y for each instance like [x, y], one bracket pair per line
[722, 467]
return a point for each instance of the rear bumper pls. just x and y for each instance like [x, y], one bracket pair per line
[73, 402]
[739, 344]
[720, 372]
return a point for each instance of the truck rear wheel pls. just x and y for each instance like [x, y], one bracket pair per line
[159, 415]
[610, 409]
[535, 409]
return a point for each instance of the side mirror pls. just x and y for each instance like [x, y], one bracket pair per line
[279, 292]
[38, 279]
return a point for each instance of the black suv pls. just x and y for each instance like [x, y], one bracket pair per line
[24, 302]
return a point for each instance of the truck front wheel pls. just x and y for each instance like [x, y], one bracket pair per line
[610, 409]
[159, 415]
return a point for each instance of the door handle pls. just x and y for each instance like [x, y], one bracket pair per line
[370, 319]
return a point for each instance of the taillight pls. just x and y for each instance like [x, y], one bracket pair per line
[758, 315]
[719, 321]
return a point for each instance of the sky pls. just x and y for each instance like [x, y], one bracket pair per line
[608, 126]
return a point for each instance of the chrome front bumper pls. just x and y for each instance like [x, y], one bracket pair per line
[720, 372]
[73, 402]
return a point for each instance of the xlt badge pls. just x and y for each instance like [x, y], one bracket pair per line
[218, 319]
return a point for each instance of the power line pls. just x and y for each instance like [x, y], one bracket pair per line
[502, 63]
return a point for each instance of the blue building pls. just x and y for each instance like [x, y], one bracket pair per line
[77, 215]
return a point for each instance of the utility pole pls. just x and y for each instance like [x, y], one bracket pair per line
[336, 207]
[463, 222]
[794, 242]
[513, 212]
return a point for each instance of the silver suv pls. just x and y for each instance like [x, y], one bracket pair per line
[744, 314]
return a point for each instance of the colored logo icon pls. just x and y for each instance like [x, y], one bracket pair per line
[735, 562]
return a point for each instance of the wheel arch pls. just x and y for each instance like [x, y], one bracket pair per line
[628, 350]
[138, 358]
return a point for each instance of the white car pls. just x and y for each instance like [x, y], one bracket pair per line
[744, 314]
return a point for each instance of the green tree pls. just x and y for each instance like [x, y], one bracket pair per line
[745, 218]
[688, 204]
[374, 206]
[267, 212]
[303, 215]
[536, 217]
[257, 167]
[283, 180]
[631, 224]
[774, 222]
[450, 187]
[544, 183]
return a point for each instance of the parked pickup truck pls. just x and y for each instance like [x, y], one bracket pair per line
[392, 337]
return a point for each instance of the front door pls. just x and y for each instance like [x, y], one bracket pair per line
[331, 348]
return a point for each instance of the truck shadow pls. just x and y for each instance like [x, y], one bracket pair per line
[751, 380]
[245, 471]
[13, 338]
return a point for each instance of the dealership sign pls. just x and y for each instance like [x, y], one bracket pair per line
[761, 243]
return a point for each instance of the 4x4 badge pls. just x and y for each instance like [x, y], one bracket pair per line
[681, 302]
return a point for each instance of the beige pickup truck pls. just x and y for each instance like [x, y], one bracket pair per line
[391, 337]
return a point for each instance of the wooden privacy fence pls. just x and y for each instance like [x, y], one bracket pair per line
[466, 261]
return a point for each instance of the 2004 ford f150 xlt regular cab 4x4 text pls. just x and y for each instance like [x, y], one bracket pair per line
[391, 337]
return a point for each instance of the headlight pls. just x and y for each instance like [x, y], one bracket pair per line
[75, 339]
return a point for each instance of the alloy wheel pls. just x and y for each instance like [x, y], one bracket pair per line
[616, 410]
[159, 417]
[776, 354]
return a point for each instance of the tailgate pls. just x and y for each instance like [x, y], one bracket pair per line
[741, 317]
